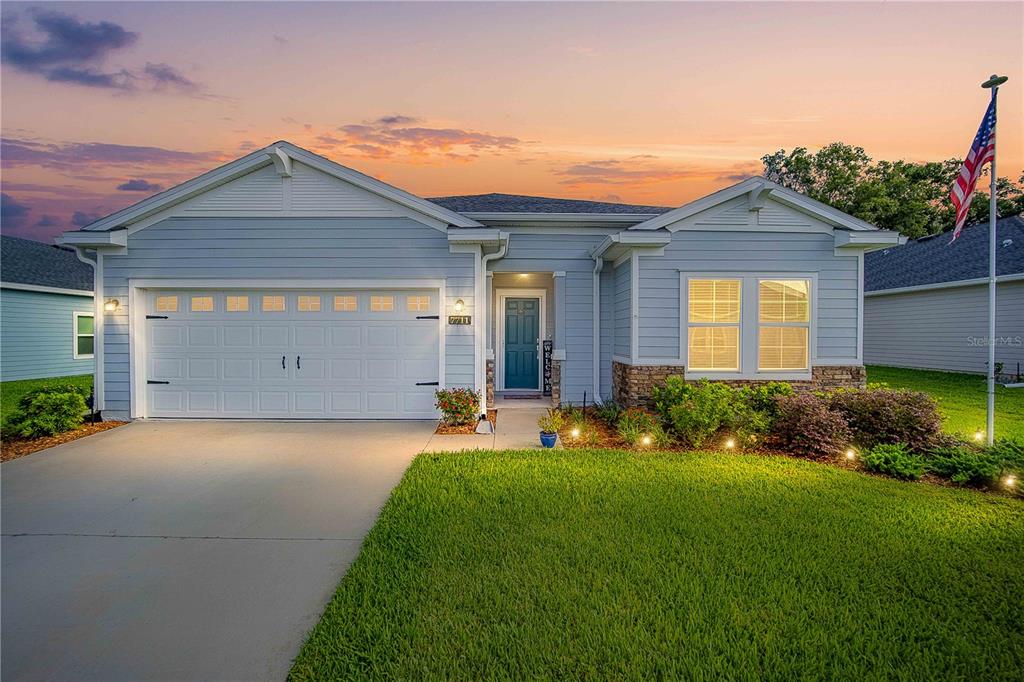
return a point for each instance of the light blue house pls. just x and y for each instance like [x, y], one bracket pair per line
[284, 285]
[46, 311]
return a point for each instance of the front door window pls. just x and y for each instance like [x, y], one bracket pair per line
[522, 337]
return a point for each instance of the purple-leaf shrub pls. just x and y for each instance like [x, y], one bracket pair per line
[807, 426]
[884, 416]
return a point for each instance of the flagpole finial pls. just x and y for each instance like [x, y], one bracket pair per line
[995, 81]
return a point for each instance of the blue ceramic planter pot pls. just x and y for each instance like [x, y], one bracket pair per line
[548, 439]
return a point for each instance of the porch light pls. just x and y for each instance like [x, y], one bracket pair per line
[730, 444]
[459, 306]
[111, 305]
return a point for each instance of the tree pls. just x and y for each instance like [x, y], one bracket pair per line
[912, 198]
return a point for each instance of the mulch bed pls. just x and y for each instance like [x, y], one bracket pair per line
[465, 429]
[13, 448]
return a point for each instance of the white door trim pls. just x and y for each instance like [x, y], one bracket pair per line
[499, 355]
[137, 309]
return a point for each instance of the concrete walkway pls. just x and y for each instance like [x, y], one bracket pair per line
[516, 430]
[186, 550]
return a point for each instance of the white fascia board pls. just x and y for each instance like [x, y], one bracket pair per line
[758, 184]
[376, 186]
[627, 240]
[495, 216]
[1016, 277]
[45, 290]
[702, 204]
[272, 154]
[91, 239]
[179, 193]
[488, 237]
[865, 238]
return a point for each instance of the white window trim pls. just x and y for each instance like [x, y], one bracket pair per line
[499, 354]
[74, 335]
[749, 326]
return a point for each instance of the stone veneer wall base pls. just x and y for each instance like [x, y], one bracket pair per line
[632, 385]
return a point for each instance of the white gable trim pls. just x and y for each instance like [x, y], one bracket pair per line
[45, 290]
[758, 191]
[281, 155]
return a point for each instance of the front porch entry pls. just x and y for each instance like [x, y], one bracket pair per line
[520, 332]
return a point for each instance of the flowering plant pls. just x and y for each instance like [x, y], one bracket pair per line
[458, 405]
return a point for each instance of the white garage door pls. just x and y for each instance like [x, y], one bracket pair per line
[338, 354]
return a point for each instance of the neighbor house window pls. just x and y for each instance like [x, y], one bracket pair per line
[202, 304]
[417, 304]
[84, 336]
[167, 304]
[273, 304]
[713, 316]
[382, 304]
[237, 304]
[346, 304]
[309, 304]
[784, 320]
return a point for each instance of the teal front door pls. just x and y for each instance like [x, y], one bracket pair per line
[522, 338]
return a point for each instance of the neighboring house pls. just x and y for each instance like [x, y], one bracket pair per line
[926, 303]
[285, 285]
[46, 311]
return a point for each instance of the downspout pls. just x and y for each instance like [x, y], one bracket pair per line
[482, 318]
[598, 266]
[98, 326]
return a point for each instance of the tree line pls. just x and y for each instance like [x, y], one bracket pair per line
[912, 198]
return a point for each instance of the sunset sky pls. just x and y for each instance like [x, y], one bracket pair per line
[106, 103]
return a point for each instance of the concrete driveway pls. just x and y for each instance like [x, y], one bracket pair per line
[186, 550]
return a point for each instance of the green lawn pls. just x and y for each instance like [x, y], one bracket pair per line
[598, 564]
[11, 391]
[962, 398]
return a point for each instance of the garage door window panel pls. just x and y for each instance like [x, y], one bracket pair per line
[273, 304]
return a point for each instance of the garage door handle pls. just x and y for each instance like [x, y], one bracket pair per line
[150, 381]
[298, 362]
[427, 383]
[282, 363]
[428, 317]
[156, 317]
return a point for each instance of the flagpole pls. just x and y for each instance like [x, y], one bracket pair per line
[994, 82]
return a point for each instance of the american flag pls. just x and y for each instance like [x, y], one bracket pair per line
[983, 150]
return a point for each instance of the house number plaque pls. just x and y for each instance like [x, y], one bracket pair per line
[460, 319]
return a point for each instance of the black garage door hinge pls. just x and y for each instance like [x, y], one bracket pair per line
[428, 317]
[427, 383]
[150, 381]
[156, 317]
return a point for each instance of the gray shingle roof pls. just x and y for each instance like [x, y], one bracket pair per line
[518, 203]
[23, 261]
[931, 260]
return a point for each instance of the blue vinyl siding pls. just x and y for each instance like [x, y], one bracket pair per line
[285, 248]
[623, 314]
[607, 329]
[37, 334]
[769, 252]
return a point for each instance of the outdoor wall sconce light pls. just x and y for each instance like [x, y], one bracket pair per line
[459, 306]
[111, 305]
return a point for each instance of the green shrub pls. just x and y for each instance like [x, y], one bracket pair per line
[761, 397]
[608, 412]
[634, 424]
[806, 426]
[964, 465]
[1009, 454]
[457, 405]
[894, 459]
[887, 416]
[673, 393]
[46, 412]
[551, 421]
[707, 409]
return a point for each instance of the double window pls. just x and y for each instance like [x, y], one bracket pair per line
[84, 336]
[736, 323]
